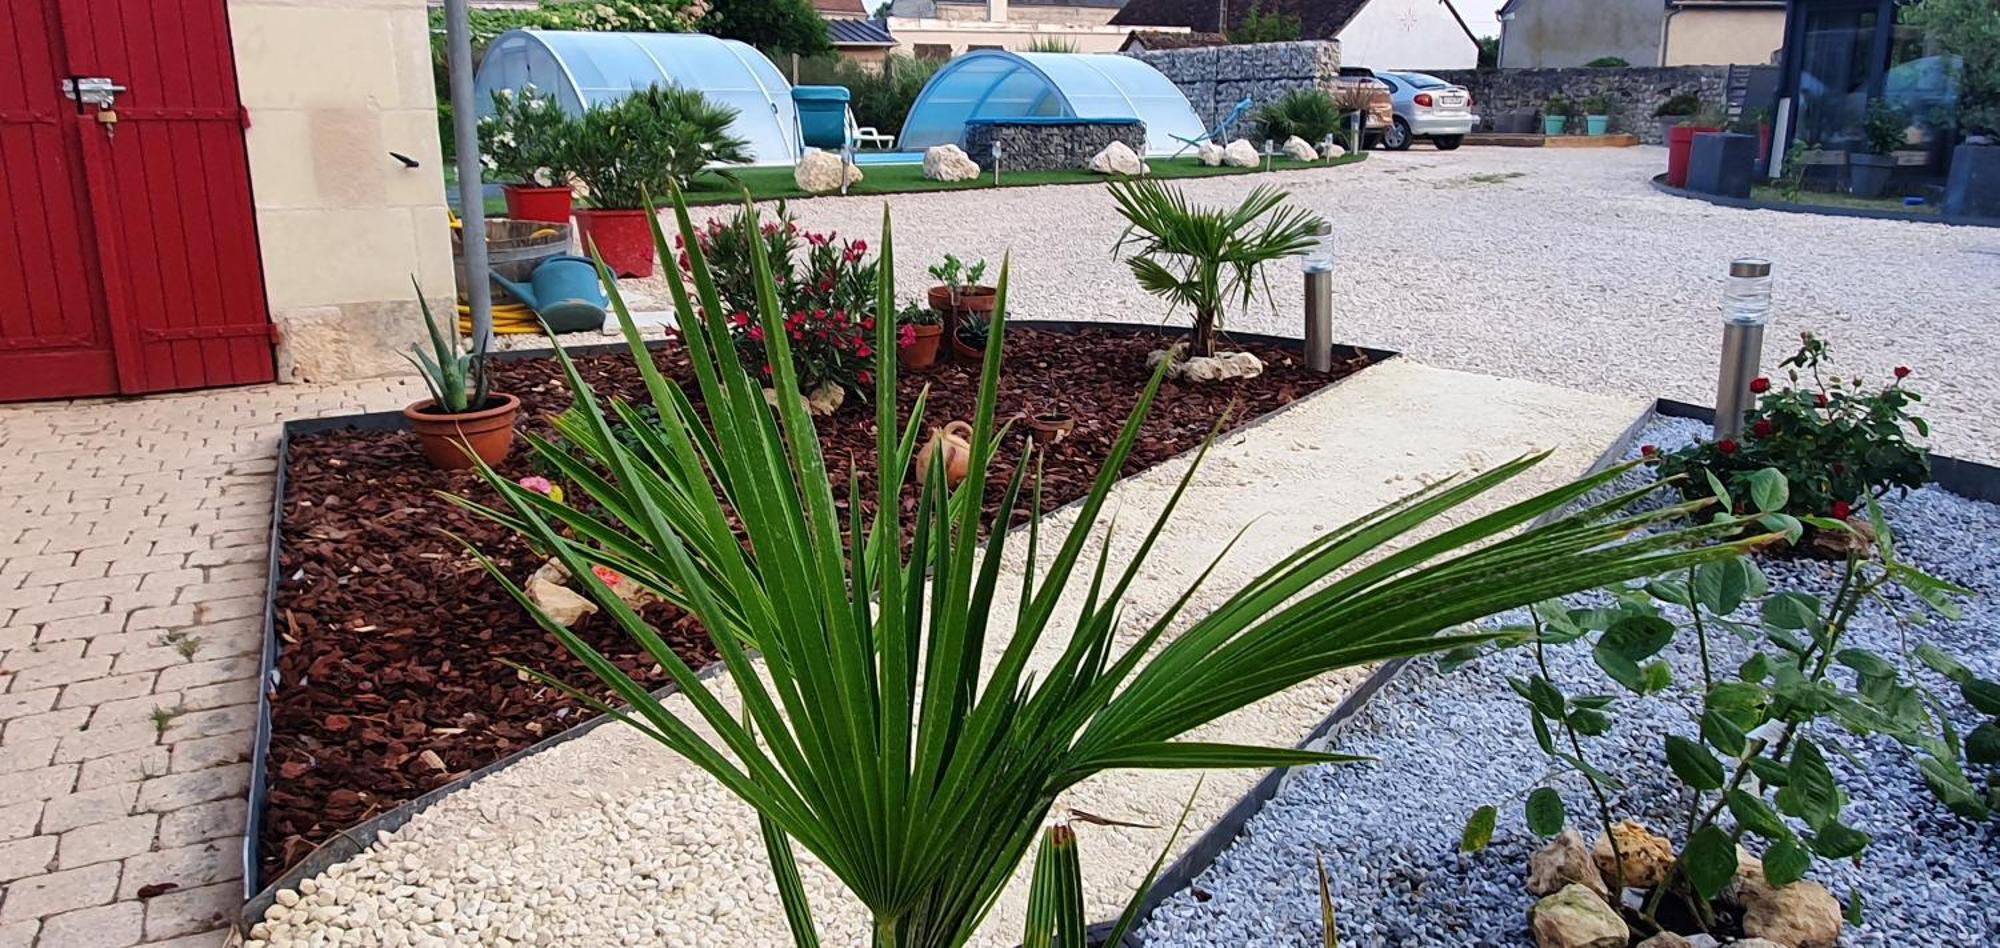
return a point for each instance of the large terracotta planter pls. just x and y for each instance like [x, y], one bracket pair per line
[489, 432]
[624, 238]
[550, 205]
[971, 299]
[924, 351]
[1680, 140]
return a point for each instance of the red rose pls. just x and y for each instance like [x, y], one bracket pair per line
[1841, 509]
[1760, 385]
[1821, 399]
[1902, 371]
[1647, 450]
[1763, 428]
[1727, 446]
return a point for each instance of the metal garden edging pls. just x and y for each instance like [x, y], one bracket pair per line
[258, 894]
[1969, 479]
[1660, 184]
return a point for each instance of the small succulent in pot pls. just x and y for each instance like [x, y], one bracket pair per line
[462, 418]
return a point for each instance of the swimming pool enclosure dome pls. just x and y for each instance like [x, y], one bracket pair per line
[996, 84]
[586, 69]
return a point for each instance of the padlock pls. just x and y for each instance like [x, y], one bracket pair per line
[109, 119]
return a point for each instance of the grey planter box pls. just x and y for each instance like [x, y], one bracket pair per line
[1868, 175]
[1722, 163]
[1973, 191]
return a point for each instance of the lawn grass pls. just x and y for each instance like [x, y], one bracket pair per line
[775, 183]
[1774, 195]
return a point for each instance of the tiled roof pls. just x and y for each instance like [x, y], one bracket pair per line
[1168, 39]
[1318, 19]
[859, 32]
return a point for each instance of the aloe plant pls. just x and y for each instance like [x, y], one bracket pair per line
[457, 378]
[871, 733]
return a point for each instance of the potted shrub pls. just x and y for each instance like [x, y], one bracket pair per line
[1676, 109]
[919, 330]
[960, 297]
[463, 418]
[1680, 141]
[1555, 114]
[525, 143]
[1882, 131]
[635, 147]
[1968, 31]
[1597, 114]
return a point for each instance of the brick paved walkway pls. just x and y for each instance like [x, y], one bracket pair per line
[133, 537]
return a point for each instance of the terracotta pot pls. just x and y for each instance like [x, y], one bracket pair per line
[961, 352]
[955, 440]
[1050, 427]
[971, 299]
[489, 432]
[550, 205]
[1680, 143]
[924, 351]
[623, 238]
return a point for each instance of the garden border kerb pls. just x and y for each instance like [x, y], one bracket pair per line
[1660, 184]
[1970, 479]
[259, 894]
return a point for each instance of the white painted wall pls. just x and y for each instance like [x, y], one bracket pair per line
[1407, 34]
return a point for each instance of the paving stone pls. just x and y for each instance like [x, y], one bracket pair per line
[16, 704]
[65, 609]
[216, 819]
[40, 784]
[165, 794]
[61, 672]
[19, 934]
[26, 857]
[195, 724]
[205, 752]
[82, 627]
[104, 741]
[100, 690]
[18, 820]
[57, 892]
[187, 911]
[89, 806]
[113, 839]
[140, 710]
[25, 658]
[48, 724]
[107, 926]
[240, 691]
[186, 867]
[124, 767]
[210, 672]
[17, 756]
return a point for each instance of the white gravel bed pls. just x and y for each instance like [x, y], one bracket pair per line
[609, 839]
[1450, 743]
[1575, 272]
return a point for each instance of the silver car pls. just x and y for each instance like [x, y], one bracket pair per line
[1426, 107]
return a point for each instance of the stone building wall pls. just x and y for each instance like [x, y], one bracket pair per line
[1634, 92]
[1214, 78]
[1048, 146]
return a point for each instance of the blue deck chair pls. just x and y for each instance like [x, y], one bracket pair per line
[824, 121]
[1220, 131]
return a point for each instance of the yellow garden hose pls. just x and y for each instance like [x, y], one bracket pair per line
[508, 319]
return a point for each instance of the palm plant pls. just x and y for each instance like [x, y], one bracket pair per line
[868, 733]
[1204, 257]
[656, 137]
[1307, 113]
[457, 379]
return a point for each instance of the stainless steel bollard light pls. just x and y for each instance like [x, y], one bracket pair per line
[996, 162]
[1267, 154]
[1318, 267]
[1746, 307]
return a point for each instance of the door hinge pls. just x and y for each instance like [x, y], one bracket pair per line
[243, 115]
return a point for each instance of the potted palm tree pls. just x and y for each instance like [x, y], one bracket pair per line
[525, 143]
[877, 703]
[1204, 257]
[657, 137]
[464, 418]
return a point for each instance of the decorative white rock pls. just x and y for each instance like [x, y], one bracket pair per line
[1241, 154]
[1296, 148]
[1209, 154]
[820, 171]
[949, 163]
[1222, 365]
[1118, 158]
[1333, 151]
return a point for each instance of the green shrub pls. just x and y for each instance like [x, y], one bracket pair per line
[1261, 27]
[1681, 103]
[1969, 30]
[649, 139]
[1608, 62]
[1599, 104]
[880, 99]
[1884, 127]
[1308, 113]
[1051, 44]
[526, 139]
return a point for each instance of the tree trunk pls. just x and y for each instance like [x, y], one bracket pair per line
[1204, 334]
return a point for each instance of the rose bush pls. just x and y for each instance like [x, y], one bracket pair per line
[1838, 441]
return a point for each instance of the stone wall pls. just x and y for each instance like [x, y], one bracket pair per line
[1214, 78]
[1048, 146]
[1634, 92]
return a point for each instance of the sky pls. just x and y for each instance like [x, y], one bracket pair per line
[1479, 15]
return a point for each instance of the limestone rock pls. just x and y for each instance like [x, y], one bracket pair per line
[1333, 151]
[1241, 154]
[1648, 858]
[1839, 543]
[1565, 860]
[820, 402]
[820, 171]
[1222, 365]
[1209, 154]
[1297, 148]
[1801, 915]
[1755, 943]
[1118, 158]
[1665, 940]
[560, 602]
[949, 163]
[1575, 917]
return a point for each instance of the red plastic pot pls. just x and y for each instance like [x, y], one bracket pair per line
[550, 205]
[623, 238]
[1680, 141]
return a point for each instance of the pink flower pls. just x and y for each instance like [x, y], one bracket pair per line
[756, 334]
[607, 575]
[539, 485]
[906, 337]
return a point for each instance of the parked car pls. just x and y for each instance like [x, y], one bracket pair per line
[1424, 107]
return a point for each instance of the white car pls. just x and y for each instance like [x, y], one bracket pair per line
[1426, 107]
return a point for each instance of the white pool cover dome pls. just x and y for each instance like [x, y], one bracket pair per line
[990, 84]
[586, 69]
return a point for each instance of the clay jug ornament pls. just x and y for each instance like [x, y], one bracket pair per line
[955, 440]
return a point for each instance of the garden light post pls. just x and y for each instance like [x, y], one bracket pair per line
[471, 193]
[1746, 307]
[996, 161]
[1318, 267]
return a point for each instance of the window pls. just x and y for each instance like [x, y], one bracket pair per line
[935, 52]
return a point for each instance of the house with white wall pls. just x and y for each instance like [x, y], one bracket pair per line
[1380, 34]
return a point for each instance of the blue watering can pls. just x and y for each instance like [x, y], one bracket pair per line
[564, 292]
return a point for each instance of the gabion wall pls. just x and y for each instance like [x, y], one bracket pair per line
[1214, 78]
[1634, 92]
[1047, 146]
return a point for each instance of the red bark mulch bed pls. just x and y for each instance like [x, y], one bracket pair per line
[392, 675]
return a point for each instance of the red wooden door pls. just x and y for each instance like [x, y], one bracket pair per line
[148, 260]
